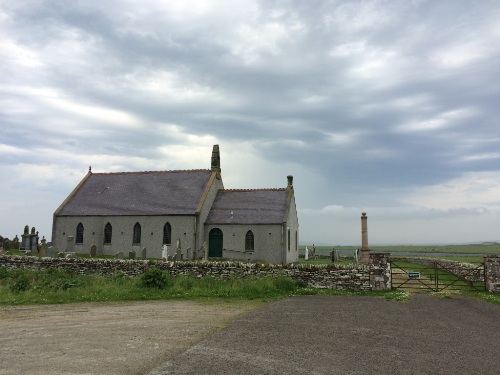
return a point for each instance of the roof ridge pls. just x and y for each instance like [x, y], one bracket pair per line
[249, 190]
[145, 172]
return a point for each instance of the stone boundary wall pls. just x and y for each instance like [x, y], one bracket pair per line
[340, 277]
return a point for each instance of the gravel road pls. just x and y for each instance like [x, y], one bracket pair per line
[352, 335]
[299, 335]
[106, 338]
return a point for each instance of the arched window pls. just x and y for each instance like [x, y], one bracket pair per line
[167, 234]
[288, 239]
[249, 244]
[79, 233]
[108, 231]
[136, 240]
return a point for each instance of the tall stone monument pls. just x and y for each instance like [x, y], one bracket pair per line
[365, 250]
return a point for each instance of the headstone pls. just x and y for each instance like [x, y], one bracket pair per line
[306, 257]
[70, 244]
[15, 243]
[119, 255]
[178, 255]
[356, 255]
[61, 254]
[205, 251]
[93, 251]
[43, 249]
[164, 252]
[143, 253]
[131, 255]
[52, 251]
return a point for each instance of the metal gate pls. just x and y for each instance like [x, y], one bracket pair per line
[436, 276]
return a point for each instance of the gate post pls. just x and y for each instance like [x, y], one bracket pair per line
[492, 273]
[380, 271]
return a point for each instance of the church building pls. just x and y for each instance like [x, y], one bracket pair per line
[187, 210]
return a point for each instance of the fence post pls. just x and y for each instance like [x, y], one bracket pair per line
[380, 271]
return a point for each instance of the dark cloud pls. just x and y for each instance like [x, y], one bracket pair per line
[365, 102]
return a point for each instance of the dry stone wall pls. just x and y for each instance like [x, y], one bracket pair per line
[316, 276]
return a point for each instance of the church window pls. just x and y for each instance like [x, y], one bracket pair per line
[167, 234]
[288, 239]
[79, 233]
[108, 231]
[136, 240]
[249, 240]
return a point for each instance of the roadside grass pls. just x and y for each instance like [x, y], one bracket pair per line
[57, 286]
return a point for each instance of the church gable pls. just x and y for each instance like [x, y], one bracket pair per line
[138, 193]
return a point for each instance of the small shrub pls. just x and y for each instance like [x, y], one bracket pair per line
[155, 278]
[21, 284]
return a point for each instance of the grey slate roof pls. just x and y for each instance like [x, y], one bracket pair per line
[138, 193]
[263, 206]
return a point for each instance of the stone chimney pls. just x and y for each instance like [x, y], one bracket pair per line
[216, 159]
[290, 181]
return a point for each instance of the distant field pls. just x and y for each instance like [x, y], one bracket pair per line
[493, 249]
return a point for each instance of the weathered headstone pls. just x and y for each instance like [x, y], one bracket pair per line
[119, 255]
[43, 249]
[306, 256]
[52, 251]
[15, 243]
[144, 253]
[93, 251]
[178, 255]
[70, 244]
[131, 255]
[205, 251]
[164, 252]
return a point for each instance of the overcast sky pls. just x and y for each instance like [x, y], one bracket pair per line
[388, 107]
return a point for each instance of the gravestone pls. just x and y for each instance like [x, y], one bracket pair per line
[93, 251]
[119, 255]
[15, 243]
[61, 254]
[178, 255]
[356, 255]
[52, 251]
[43, 249]
[143, 253]
[306, 256]
[164, 252]
[131, 255]
[205, 251]
[70, 244]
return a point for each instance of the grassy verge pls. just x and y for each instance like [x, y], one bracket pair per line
[22, 287]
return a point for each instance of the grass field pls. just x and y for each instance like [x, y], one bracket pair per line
[482, 249]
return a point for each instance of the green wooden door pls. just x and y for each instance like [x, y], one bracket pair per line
[215, 243]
